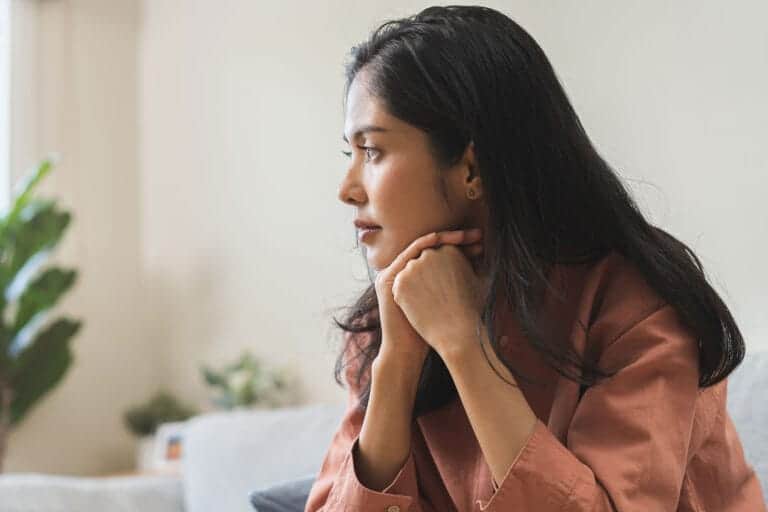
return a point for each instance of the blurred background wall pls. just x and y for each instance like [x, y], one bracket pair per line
[199, 151]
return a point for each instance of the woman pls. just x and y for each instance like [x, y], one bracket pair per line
[529, 340]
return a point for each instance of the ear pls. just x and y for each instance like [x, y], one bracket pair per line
[470, 174]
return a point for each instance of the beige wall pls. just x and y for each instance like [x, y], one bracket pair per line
[200, 144]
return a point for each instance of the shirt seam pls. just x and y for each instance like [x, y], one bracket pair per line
[635, 324]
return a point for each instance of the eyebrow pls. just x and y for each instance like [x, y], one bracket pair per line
[364, 129]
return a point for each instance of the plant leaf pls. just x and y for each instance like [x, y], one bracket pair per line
[39, 227]
[43, 293]
[213, 378]
[22, 195]
[41, 365]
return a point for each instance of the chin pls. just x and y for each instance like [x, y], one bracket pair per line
[376, 260]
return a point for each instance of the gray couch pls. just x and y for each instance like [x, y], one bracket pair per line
[228, 455]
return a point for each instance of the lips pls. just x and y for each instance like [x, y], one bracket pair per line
[362, 224]
[364, 233]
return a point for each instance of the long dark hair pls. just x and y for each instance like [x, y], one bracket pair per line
[470, 74]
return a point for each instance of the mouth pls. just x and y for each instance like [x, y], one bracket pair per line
[365, 232]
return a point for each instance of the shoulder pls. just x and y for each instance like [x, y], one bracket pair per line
[628, 327]
[617, 298]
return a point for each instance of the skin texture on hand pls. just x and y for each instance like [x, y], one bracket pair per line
[440, 294]
[415, 267]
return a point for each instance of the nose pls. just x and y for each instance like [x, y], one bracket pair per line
[351, 190]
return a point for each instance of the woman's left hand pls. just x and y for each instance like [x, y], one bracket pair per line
[442, 296]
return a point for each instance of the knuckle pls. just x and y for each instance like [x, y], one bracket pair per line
[380, 280]
[430, 238]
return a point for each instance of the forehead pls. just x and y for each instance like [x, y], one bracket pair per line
[364, 112]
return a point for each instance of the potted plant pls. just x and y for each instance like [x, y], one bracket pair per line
[33, 357]
[246, 383]
[144, 419]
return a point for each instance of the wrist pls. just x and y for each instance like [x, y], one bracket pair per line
[463, 341]
[405, 362]
[399, 372]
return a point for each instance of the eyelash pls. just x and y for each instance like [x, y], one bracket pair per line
[349, 153]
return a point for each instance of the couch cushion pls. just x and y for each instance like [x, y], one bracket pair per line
[749, 410]
[227, 455]
[290, 496]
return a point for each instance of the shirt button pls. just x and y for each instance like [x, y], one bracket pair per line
[393, 508]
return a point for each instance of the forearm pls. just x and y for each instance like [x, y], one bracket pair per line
[498, 412]
[385, 435]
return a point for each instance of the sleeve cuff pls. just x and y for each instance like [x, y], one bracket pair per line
[349, 491]
[541, 464]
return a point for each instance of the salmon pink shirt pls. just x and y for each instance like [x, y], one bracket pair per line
[647, 439]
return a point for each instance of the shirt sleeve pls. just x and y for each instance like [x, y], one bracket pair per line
[337, 486]
[628, 440]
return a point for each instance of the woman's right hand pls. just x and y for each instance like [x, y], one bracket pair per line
[400, 343]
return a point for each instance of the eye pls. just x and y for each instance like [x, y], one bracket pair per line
[368, 148]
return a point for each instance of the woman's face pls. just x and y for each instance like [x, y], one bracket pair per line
[393, 181]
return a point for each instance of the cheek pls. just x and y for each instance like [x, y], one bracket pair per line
[407, 203]
[404, 192]
[389, 189]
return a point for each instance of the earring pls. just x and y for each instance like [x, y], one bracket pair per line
[471, 193]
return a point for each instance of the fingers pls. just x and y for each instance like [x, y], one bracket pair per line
[470, 238]
[460, 237]
[475, 249]
[469, 241]
[411, 252]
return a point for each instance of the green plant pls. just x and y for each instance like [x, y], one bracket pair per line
[33, 358]
[244, 383]
[143, 419]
